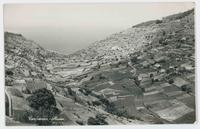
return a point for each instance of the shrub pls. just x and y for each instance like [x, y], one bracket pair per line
[186, 88]
[44, 106]
[121, 113]
[171, 81]
[168, 71]
[98, 120]
[111, 108]
[41, 98]
[79, 122]
[8, 72]
[160, 41]
[87, 91]
[189, 90]
[183, 88]
[158, 21]
[102, 77]
[92, 121]
[135, 118]
[134, 59]
[104, 100]
[96, 103]
[164, 33]
[70, 91]
[9, 81]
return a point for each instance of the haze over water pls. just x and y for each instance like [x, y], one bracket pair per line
[67, 28]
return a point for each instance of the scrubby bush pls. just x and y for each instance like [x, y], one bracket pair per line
[104, 100]
[92, 121]
[44, 106]
[70, 91]
[102, 77]
[164, 33]
[79, 122]
[86, 91]
[162, 41]
[111, 108]
[183, 88]
[135, 118]
[171, 81]
[41, 98]
[8, 72]
[158, 21]
[168, 71]
[134, 59]
[186, 88]
[98, 120]
[9, 81]
[96, 103]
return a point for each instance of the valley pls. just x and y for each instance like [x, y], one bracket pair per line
[142, 75]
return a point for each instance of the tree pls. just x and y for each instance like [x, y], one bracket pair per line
[158, 21]
[8, 72]
[44, 105]
[41, 98]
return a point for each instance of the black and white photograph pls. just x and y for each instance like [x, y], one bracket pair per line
[78, 64]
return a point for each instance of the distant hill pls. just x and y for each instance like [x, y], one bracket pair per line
[119, 45]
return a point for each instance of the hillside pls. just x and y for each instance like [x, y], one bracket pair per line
[145, 74]
[28, 67]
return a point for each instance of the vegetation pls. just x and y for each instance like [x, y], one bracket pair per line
[72, 93]
[8, 72]
[186, 88]
[158, 21]
[79, 122]
[171, 81]
[98, 120]
[9, 81]
[96, 103]
[85, 91]
[111, 108]
[44, 106]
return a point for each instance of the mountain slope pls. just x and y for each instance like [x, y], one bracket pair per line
[145, 74]
[155, 77]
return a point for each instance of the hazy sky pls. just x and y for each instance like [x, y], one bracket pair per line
[69, 27]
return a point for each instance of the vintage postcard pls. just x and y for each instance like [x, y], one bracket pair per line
[99, 63]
